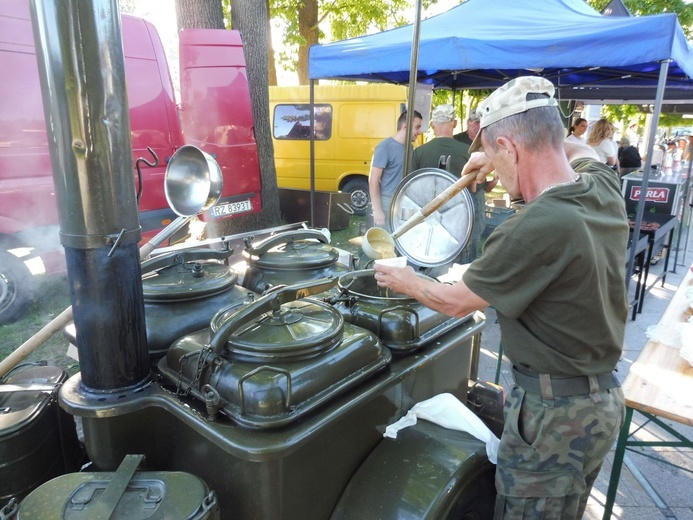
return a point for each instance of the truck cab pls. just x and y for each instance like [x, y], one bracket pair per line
[210, 106]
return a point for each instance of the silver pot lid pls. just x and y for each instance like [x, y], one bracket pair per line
[297, 330]
[187, 275]
[440, 238]
[292, 251]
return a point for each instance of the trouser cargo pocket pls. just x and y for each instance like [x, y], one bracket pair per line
[536, 494]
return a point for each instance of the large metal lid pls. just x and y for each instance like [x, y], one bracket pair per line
[445, 233]
[296, 330]
[187, 275]
[292, 250]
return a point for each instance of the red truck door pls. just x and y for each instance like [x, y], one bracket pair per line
[217, 115]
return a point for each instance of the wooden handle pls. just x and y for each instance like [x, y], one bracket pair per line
[57, 324]
[449, 193]
[436, 203]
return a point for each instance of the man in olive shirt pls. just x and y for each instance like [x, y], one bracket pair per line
[468, 135]
[555, 274]
[442, 151]
[449, 154]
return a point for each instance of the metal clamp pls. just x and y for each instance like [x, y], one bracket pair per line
[265, 368]
[398, 308]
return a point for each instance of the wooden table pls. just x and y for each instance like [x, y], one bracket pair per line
[658, 385]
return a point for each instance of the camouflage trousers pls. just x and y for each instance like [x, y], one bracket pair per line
[551, 452]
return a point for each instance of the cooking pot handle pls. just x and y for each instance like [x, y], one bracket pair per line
[183, 257]
[284, 238]
[268, 303]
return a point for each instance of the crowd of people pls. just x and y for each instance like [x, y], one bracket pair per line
[624, 156]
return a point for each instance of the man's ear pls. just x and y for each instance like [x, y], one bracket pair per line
[507, 146]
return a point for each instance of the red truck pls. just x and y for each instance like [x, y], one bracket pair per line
[215, 115]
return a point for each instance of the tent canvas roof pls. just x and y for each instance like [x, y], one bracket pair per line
[481, 44]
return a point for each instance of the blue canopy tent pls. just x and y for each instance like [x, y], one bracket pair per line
[481, 44]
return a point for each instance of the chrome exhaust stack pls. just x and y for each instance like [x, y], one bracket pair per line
[81, 66]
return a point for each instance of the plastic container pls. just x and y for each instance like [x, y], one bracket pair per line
[124, 494]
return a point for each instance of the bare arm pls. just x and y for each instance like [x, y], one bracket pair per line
[454, 300]
[374, 191]
[575, 150]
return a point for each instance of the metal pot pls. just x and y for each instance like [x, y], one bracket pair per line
[289, 258]
[275, 360]
[401, 322]
[183, 291]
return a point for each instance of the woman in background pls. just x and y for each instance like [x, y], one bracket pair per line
[602, 140]
[576, 131]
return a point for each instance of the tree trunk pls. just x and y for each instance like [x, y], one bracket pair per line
[199, 14]
[250, 18]
[308, 29]
[272, 69]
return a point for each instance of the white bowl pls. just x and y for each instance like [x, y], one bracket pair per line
[398, 261]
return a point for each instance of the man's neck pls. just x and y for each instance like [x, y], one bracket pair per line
[400, 136]
[542, 170]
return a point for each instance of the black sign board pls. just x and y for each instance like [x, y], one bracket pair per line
[661, 197]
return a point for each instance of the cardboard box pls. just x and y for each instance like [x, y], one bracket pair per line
[332, 210]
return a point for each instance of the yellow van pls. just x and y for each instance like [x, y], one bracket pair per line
[350, 120]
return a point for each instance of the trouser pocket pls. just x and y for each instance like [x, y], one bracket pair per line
[536, 495]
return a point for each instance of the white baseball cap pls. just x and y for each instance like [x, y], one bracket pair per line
[443, 114]
[511, 99]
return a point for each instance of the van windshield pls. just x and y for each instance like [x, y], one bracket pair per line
[293, 122]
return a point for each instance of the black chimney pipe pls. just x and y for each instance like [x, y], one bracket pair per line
[80, 56]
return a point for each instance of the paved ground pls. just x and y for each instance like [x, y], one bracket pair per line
[674, 486]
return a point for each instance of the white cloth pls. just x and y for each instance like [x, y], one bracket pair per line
[572, 138]
[447, 411]
[607, 148]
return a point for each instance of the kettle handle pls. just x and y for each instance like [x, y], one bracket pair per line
[183, 257]
[268, 303]
[284, 238]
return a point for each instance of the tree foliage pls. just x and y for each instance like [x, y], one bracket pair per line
[681, 8]
[308, 22]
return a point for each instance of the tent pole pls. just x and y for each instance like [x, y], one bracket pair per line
[685, 212]
[663, 70]
[312, 153]
[413, 73]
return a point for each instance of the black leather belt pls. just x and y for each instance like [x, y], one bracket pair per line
[564, 386]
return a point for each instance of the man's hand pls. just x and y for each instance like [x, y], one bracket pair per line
[398, 279]
[378, 217]
[480, 162]
[453, 300]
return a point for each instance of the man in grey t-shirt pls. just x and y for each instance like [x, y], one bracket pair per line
[387, 166]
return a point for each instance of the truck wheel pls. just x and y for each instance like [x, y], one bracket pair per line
[428, 472]
[15, 287]
[358, 189]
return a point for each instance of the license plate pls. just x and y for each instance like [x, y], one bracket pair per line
[231, 208]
